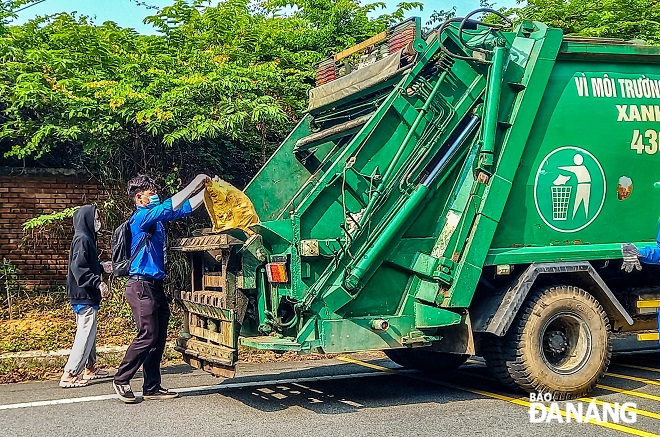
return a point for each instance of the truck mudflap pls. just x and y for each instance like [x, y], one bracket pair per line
[215, 308]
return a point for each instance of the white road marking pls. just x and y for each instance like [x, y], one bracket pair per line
[203, 388]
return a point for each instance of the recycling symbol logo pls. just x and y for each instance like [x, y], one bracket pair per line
[569, 189]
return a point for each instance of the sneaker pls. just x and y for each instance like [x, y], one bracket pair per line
[161, 393]
[124, 392]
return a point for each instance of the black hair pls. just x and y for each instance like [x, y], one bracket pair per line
[140, 183]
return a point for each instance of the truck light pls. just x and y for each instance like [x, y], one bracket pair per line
[276, 272]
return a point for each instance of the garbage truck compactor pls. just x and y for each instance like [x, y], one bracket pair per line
[462, 192]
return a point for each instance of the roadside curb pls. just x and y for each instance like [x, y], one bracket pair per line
[41, 364]
[42, 354]
[58, 353]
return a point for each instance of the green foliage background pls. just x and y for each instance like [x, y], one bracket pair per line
[215, 91]
[627, 19]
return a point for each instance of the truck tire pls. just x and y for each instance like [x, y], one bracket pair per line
[496, 362]
[425, 360]
[559, 343]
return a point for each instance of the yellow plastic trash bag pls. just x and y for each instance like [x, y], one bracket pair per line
[228, 207]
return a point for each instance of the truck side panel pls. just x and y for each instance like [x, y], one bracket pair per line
[588, 175]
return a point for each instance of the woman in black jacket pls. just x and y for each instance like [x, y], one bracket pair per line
[85, 290]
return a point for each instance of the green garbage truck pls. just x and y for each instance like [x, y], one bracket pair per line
[464, 191]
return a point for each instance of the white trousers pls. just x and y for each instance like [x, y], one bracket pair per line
[83, 352]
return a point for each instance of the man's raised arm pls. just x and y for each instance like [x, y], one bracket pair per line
[187, 193]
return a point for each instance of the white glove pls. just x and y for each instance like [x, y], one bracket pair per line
[105, 291]
[631, 257]
[202, 179]
[189, 190]
[107, 266]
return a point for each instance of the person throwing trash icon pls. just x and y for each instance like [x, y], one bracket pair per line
[583, 191]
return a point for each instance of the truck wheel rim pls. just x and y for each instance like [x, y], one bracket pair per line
[565, 343]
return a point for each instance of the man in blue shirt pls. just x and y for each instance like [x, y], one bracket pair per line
[144, 289]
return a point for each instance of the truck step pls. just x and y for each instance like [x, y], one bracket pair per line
[271, 343]
[647, 306]
[635, 342]
[648, 336]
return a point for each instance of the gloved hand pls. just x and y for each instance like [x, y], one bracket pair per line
[105, 291]
[201, 180]
[631, 257]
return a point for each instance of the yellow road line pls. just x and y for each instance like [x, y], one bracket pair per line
[616, 390]
[631, 366]
[633, 378]
[614, 426]
[634, 366]
[366, 364]
[629, 392]
[617, 375]
[633, 410]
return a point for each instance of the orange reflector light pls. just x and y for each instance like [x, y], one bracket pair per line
[276, 272]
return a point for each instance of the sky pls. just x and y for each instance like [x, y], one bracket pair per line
[127, 13]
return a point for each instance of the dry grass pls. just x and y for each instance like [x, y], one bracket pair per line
[47, 322]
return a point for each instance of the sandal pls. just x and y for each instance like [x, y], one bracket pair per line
[73, 382]
[91, 374]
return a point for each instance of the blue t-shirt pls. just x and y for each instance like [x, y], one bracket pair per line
[77, 308]
[150, 260]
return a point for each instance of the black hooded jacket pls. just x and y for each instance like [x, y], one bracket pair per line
[84, 277]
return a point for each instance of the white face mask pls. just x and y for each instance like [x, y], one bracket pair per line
[97, 224]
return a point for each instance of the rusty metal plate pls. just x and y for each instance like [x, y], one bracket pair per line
[214, 369]
[204, 243]
[224, 336]
[217, 299]
[216, 353]
[216, 313]
[213, 280]
[217, 360]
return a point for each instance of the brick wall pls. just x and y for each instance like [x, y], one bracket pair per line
[25, 194]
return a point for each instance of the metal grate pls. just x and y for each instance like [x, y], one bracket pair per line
[206, 242]
[561, 197]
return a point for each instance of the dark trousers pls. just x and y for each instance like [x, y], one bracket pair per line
[151, 313]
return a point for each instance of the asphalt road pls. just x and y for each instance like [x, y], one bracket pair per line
[355, 395]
